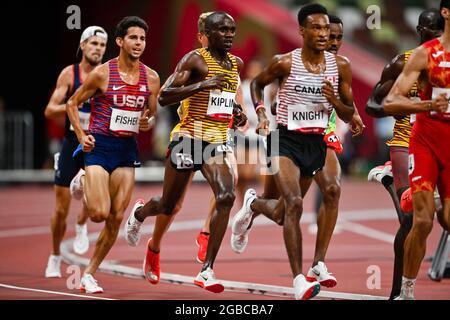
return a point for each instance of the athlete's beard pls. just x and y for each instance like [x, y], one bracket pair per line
[93, 62]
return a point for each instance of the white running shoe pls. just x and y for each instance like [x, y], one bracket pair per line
[320, 273]
[89, 284]
[133, 226]
[207, 280]
[239, 241]
[240, 223]
[81, 242]
[53, 269]
[304, 290]
[379, 172]
[76, 188]
[242, 218]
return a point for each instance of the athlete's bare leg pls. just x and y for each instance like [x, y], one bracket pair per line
[329, 182]
[219, 174]
[163, 222]
[174, 187]
[232, 160]
[415, 243]
[58, 220]
[444, 215]
[120, 188]
[291, 187]
[399, 159]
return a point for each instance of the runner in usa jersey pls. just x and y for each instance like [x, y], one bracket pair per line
[124, 94]
[430, 25]
[313, 82]
[92, 45]
[429, 155]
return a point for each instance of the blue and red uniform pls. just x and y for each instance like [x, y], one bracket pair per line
[114, 121]
[65, 166]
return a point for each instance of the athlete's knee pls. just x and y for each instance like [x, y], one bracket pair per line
[332, 192]
[61, 212]
[294, 204]
[225, 198]
[423, 226]
[97, 214]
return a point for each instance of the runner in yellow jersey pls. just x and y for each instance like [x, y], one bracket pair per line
[394, 176]
[162, 221]
[207, 80]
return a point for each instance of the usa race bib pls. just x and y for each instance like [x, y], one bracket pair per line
[124, 121]
[84, 120]
[220, 104]
[312, 117]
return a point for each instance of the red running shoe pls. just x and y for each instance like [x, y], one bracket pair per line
[202, 243]
[151, 267]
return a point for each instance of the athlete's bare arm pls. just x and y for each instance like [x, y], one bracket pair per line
[344, 103]
[391, 71]
[188, 79]
[278, 69]
[95, 85]
[56, 106]
[146, 121]
[397, 101]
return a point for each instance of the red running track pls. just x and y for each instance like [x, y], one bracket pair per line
[26, 243]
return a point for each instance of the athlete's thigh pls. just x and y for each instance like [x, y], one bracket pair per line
[230, 156]
[219, 174]
[287, 177]
[399, 160]
[96, 188]
[174, 185]
[121, 185]
[330, 173]
[270, 187]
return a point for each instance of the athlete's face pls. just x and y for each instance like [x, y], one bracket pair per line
[133, 43]
[222, 33]
[316, 31]
[93, 49]
[335, 39]
[428, 27]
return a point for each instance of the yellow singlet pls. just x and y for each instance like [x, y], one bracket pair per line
[195, 121]
[403, 126]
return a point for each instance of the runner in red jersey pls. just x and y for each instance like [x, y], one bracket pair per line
[124, 96]
[429, 155]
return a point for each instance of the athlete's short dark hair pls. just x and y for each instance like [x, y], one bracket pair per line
[212, 18]
[310, 9]
[445, 4]
[128, 22]
[335, 19]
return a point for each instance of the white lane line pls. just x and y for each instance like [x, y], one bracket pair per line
[25, 232]
[307, 217]
[52, 292]
[367, 231]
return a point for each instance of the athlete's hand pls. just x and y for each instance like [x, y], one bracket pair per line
[88, 143]
[328, 92]
[440, 103]
[239, 117]
[356, 125]
[220, 81]
[263, 123]
[146, 122]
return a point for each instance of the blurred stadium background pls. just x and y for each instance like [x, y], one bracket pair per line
[38, 45]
